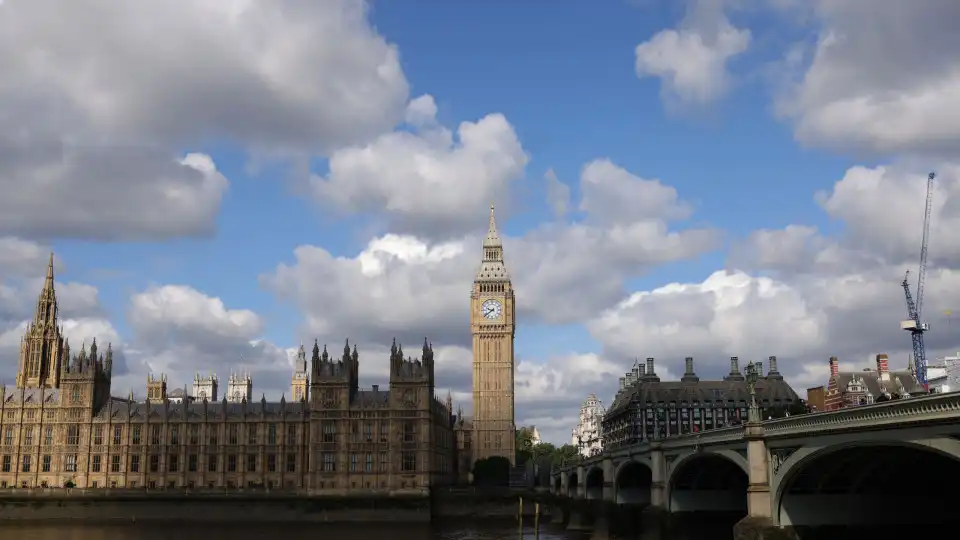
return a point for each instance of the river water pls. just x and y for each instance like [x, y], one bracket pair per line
[296, 532]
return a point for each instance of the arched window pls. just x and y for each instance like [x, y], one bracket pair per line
[73, 435]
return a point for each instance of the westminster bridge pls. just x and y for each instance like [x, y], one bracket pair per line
[879, 467]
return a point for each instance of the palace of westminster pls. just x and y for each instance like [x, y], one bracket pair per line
[61, 426]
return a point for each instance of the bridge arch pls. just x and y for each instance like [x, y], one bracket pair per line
[708, 481]
[872, 482]
[594, 483]
[632, 482]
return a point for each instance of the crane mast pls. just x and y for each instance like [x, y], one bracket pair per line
[914, 308]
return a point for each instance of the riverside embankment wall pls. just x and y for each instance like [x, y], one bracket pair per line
[103, 505]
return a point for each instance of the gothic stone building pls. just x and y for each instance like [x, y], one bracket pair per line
[60, 426]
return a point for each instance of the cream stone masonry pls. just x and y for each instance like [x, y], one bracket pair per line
[493, 325]
[60, 426]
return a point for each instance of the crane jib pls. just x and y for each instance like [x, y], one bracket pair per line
[915, 309]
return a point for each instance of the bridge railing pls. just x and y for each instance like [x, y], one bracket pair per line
[933, 407]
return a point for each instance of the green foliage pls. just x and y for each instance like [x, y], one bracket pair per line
[565, 454]
[543, 449]
[492, 471]
[781, 411]
[524, 445]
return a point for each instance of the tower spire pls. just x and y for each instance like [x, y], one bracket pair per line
[47, 302]
[493, 238]
[492, 267]
[49, 281]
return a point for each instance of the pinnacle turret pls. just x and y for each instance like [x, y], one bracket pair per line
[493, 238]
[492, 267]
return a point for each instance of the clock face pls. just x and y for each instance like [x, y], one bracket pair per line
[491, 309]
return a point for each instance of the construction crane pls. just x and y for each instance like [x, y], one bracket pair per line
[915, 309]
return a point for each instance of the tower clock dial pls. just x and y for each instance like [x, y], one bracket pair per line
[491, 309]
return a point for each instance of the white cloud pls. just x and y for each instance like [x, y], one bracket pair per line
[821, 296]
[558, 194]
[178, 330]
[406, 285]
[425, 181]
[883, 77]
[99, 102]
[409, 287]
[691, 60]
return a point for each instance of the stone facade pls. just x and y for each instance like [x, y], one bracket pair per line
[855, 388]
[60, 426]
[651, 409]
[586, 436]
[493, 325]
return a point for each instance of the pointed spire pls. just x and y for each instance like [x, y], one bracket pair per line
[492, 267]
[493, 238]
[46, 314]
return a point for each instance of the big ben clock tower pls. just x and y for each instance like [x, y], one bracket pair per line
[493, 326]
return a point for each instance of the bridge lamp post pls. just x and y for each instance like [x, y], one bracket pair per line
[753, 375]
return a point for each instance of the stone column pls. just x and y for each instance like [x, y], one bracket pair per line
[608, 480]
[658, 485]
[759, 523]
[581, 483]
[758, 492]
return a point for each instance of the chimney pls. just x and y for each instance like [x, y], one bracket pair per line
[883, 367]
[774, 373]
[688, 373]
[650, 370]
[376, 388]
[642, 370]
[834, 366]
[735, 374]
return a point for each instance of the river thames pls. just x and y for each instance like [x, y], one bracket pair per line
[293, 532]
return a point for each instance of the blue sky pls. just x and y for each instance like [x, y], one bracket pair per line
[747, 110]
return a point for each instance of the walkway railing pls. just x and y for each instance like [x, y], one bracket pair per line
[932, 408]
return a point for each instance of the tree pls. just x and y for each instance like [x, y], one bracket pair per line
[793, 409]
[565, 454]
[524, 445]
[544, 449]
